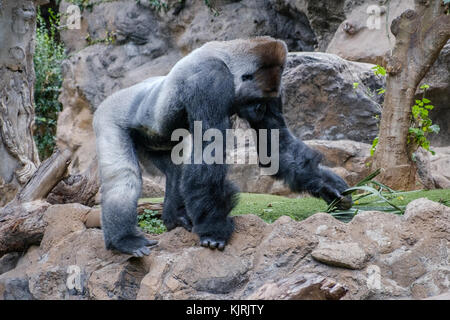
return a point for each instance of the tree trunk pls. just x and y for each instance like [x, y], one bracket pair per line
[420, 35]
[18, 153]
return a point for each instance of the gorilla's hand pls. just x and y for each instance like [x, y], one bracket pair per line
[332, 188]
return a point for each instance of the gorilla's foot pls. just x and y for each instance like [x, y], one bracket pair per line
[215, 235]
[208, 242]
[136, 245]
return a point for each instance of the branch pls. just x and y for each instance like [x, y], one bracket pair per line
[48, 174]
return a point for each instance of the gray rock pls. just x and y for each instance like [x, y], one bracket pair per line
[408, 259]
[321, 102]
[345, 255]
[9, 261]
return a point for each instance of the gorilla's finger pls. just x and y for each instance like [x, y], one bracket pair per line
[345, 203]
[213, 244]
[204, 243]
[145, 250]
[221, 246]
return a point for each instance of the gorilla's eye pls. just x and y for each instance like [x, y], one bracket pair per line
[247, 77]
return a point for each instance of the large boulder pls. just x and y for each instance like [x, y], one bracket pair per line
[321, 101]
[375, 256]
[364, 34]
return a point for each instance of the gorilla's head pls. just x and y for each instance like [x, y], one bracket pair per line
[256, 64]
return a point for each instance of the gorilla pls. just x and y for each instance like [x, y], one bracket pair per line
[212, 83]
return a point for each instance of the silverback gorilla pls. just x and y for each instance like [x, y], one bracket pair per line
[210, 84]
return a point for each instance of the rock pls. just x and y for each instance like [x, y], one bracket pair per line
[438, 78]
[375, 256]
[440, 164]
[320, 99]
[345, 255]
[444, 296]
[362, 37]
[9, 261]
[153, 187]
[301, 287]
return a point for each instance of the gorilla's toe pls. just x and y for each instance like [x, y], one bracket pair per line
[136, 245]
[221, 245]
[212, 244]
[141, 252]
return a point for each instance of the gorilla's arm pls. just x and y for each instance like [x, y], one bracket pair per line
[208, 196]
[299, 165]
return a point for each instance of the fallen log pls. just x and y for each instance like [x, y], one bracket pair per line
[21, 220]
[81, 188]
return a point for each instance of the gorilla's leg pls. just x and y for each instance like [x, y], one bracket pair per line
[174, 212]
[299, 165]
[121, 187]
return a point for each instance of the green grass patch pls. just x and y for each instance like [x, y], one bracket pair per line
[270, 207]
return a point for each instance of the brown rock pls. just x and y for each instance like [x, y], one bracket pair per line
[345, 255]
[389, 256]
[301, 287]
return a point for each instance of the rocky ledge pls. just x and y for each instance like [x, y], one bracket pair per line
[376, 256]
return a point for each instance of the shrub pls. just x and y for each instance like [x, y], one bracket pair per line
[48, 57]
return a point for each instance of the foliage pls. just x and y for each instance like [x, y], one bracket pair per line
[110, 38]
[150, 222]
[48, 56]
[421, 124]
[376, 196]
[373, 147]
[162, 5]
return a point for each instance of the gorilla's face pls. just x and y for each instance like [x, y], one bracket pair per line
[264, 82]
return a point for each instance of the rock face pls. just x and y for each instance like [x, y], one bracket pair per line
[376, 256]
[363, 34]
[321, 102]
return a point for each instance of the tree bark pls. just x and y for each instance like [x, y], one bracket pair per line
[46, 177]
[80, 188]
[420, 35]
[18, 153]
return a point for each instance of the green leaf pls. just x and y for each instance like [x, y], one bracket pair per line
[425, 100]
[434, 128]
[429, 107]
[355, 85]
[373, 148]
[424, 87]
